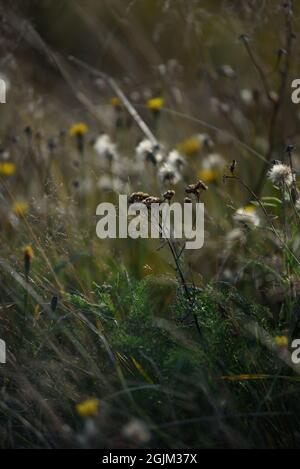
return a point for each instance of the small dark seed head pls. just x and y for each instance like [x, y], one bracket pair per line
[137, 197]
[168, 195]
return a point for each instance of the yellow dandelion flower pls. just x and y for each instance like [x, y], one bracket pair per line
[28, 253]
[7, 169]
[78, 129]
[190, 146]
[20, 208]
[28, 256]
[208, 175]
[249, 209]
[155, 104]
[88, 408]
[281, 340]
[115, 101]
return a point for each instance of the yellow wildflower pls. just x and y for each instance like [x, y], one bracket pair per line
[281, 340]
[7, 169]
[190, 146]
[88, 408]
[28, 256]
[115, 101]
[208, 175]
[78, 129]
[155, 104]
[28, 253]
[20, 208]
[249, 209]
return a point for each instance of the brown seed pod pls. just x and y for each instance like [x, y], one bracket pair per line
[152, 200]
[168, 195]
[137, 197]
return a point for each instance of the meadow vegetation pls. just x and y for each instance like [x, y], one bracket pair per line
[142, 343]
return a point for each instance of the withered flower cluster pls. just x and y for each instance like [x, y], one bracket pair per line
[196, 189]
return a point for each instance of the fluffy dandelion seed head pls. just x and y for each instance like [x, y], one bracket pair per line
[147, 151]
[235, 236]
[247, 96]
[247, 216]
[7, 169]
[105, 183]
[78, 129]
[214, 161]
[176, 160]
[168, 174]
[280, 174]
[281, 340]
[20, 208]
[227, 71]
[137, 431]
[88, 408]
[205, 140]
[104, 147]
[297, 205]
[155, 104]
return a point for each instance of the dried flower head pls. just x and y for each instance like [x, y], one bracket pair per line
[280, 174]
[152, 200]
[168, 195]
[194, 188]
[137, 197]
[233, 166]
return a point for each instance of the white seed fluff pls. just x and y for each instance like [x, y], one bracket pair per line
[280, 174]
